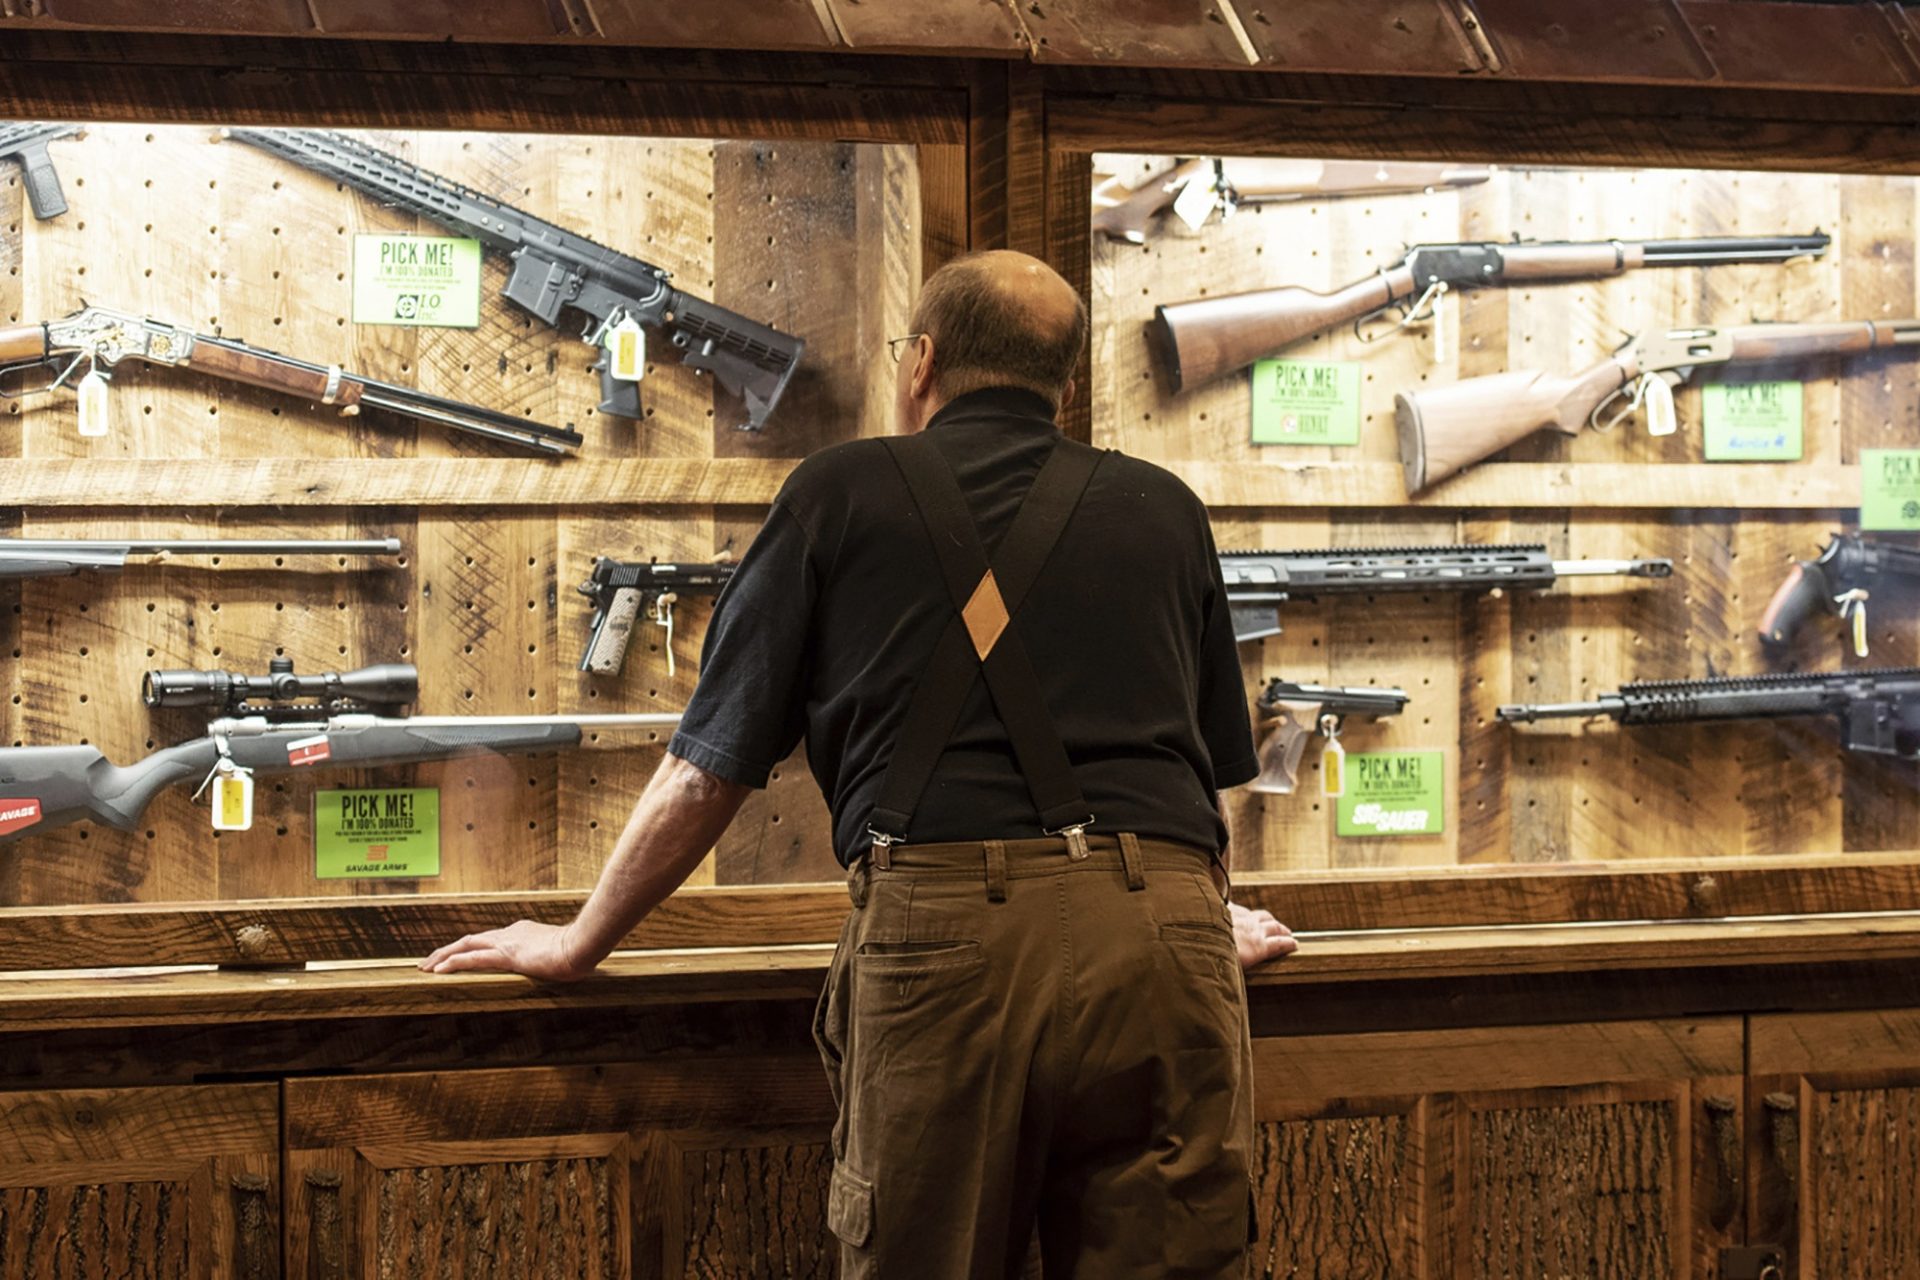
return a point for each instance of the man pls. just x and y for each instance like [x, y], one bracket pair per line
[1013, 665]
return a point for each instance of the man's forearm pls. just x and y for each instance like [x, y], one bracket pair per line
[678, 818]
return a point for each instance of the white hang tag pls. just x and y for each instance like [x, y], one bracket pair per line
[663, 614]
[1658, 398]
[1853, 608]
[1196, 202]
[92, 391]
[626, 344]
[232, 798]
[1441, 331]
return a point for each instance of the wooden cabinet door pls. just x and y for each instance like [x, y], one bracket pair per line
[1602, 1151]
[1834, 1133]
[667, 1168]
[174, 1183]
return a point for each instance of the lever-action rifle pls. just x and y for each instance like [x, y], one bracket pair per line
[101, 339]
[554, 268]
[1123, 214]
[1446, 428]
[27, 142]
[1297, 711]
[621, 590]
[1839, 582]
[1259, 582]
[1878, 710]
[340, 720]
[1208, 337]
[63, 557]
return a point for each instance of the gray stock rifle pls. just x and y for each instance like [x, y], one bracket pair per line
[1259, 582]
[278, 723]
[554, 268]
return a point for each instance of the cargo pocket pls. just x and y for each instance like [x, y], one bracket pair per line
[850, 1207]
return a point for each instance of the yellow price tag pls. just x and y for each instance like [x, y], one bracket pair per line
[233, 801]
[1333, 769]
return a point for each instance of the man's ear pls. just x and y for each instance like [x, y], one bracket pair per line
[920, 382]
[1066, 394]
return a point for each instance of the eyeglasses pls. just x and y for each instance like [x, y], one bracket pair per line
[894, 344]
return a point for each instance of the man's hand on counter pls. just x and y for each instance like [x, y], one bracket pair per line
[1259, 936]
[526, 947]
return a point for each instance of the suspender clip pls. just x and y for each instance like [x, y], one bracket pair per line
[1076, 838]
[882, 851]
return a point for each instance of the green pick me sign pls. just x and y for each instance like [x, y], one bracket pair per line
[1890, 488]
[1393, 793]
[1306, 402]
[416, 280]
[363, 835]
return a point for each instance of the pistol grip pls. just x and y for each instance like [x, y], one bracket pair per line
[618, 397]
[43, 183]
[612, 633]
[1280, 752]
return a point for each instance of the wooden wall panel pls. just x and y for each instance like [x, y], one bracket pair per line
[824, 239]
[1556, 791]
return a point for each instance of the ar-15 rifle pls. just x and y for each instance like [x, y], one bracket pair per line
[1878, 710]
[1208, 337]
[620, 590]
[101, 339]
[1225, 185]
[277, 723]
[63, 557]
[1839, 581]
[554, 268]
[1296, 711]
[1446, 428]
[1259, 582]
[26, 142]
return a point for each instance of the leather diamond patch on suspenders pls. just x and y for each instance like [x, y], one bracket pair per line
[985, 616]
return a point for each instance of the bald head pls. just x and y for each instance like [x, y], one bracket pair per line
[1001, 319]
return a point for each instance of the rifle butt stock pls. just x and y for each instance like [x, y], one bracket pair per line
[1208, 338]
[1444, 429]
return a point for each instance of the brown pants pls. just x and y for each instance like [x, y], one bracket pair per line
[1015, 1037]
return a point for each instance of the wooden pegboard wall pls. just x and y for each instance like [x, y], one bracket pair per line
[819, 239]
[1551, 792]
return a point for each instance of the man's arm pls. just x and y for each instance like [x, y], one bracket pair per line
[681, 814]
[1258, 935]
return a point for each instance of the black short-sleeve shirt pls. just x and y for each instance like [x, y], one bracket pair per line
[834, 611]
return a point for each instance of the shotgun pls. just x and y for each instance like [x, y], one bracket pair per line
[1447, 428]
[64, 557]
[1208, 337]
[1209, 185]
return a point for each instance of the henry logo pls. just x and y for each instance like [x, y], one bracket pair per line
[18, 814]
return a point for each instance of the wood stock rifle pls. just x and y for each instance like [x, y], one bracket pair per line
[1447, 428]
[1123, 213]
[1208, 337]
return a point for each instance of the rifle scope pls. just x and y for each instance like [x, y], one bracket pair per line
[386, 684]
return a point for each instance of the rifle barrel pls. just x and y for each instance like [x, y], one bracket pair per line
[1655, 567]
[1706, 250]
[1527, 713]
[209, 546]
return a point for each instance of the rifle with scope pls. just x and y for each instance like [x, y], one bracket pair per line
[1839, 581]
[101, 338]
[1208, 337]
[554, 268]
[1259, 582]
[1294, 712]
[1878, 710]
[1443, 429]
[63, 557]
[276, 723]
[26, 142]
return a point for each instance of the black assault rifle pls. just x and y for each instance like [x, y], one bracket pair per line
[1878, 710]
[277, 723]
[26, 142]
[554, 268]
[1259, 582]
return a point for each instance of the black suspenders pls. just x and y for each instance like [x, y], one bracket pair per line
[978, 639]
